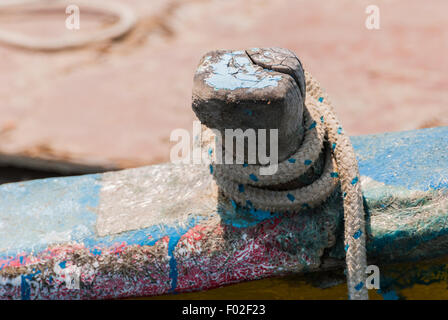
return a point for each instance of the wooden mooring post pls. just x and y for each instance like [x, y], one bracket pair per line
[164, 228]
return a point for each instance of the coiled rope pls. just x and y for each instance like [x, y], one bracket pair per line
[126, 21]
[323, 133]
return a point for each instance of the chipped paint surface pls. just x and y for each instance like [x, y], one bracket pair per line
[174, 250]
[416, 280]
[234, 70]
[416, 160]
[135, 199]
[32, 207]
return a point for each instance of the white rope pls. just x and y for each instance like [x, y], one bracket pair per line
[243, 184]
[126, 21]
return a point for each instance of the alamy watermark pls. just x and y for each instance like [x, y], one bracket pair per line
[373, 280]
[72, 22]
[373, 18]
[188, 151]
[70, 274]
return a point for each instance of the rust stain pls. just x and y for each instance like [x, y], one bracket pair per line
[7, 127]
[45, 150]
[431, 124]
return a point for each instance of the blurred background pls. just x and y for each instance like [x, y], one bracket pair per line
[113, 104]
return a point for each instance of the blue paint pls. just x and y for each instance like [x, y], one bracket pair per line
[253, 177]
[405, 162]
[389, 295]
[241, 188]
[78, 198]
[355, 180]
[291, 197]
[245, 165]
[357, 234]
[175, 234]
[35, 208]
[333, 146]
[149, 236]
[234, 70]
[25, 289]
[310, 239]
[416, 160]
[359, 286]
[64, 205]
[322, 119]
[39, 213]
[339, 130]
[211, 169]
[321, 99]
[96, 252]
[313, 125]
[334, 174]
[307, 162]
[173, 264]
[144, 237]
[292, 160]
[245, 216]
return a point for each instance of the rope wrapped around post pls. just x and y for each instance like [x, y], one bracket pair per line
[265, 89]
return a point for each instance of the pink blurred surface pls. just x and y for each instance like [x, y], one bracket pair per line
[115, 104]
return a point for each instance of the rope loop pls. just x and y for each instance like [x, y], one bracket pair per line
[126, 22]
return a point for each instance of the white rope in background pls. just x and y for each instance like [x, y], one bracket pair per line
[243, 184]
[126, 22]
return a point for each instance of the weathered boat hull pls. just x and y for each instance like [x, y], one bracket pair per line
[162, 229]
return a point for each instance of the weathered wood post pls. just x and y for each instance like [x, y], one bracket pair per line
[254, 89]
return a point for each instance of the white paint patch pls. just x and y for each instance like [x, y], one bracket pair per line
[154, 195]
[15, 282]
[234, 70]
[367, 182]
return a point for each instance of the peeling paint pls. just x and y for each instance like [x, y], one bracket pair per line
[215, 244]
[234, 70]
